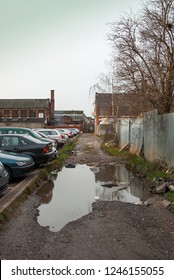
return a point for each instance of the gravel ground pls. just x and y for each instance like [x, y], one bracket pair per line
[113, 230]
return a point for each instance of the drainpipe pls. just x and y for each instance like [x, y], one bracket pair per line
[130, 122]
[52, 105]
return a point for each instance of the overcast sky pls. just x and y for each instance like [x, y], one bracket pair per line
[56, 44]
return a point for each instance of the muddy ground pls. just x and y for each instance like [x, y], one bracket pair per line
[113, 230]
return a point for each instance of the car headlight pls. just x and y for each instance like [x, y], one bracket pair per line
[22, 163]
[54, 144]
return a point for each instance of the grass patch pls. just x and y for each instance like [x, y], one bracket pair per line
[3, 216]
[112, 150]
[147, 169]
[43, 174]
[65, 152]
[172, 207]
[169, 196]
[137, 164]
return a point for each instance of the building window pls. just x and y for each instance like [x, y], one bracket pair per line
[23, 113]
[7, 113]
[0, 113]
[32, 113]
[40, 114]
[15, 113]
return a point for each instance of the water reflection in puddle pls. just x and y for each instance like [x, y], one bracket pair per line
[74, 190]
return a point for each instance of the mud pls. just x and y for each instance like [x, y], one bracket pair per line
[113, 230]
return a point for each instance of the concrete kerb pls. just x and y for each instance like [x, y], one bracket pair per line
[16, 191]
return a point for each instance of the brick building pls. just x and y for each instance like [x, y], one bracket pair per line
[109, 107]
[27, 112]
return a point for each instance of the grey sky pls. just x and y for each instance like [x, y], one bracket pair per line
[56, 44]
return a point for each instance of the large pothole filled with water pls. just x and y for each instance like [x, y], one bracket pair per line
[70, 195]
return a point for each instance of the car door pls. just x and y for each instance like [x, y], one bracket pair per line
[18, 144]
[11, 143]
[29, 147]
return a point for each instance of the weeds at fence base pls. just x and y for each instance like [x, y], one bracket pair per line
[140, 166]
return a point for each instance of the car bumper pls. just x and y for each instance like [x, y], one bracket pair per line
[22, 171]
[44, 158]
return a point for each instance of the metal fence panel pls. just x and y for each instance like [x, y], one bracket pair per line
[123, 132]
[165, 138]
[153, 132]
[136, 136]
[151, 122]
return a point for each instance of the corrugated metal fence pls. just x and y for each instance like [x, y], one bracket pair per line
[153, 132]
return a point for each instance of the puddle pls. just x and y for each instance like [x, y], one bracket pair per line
[70, 195]
[46, 192]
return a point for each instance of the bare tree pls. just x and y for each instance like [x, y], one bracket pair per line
[106, 81]
[143, 47]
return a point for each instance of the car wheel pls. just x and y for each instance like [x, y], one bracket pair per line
[9, 173]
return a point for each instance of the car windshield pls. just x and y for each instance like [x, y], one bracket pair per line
[41, 135]
[32, 139]
[53, 132]
[36, 134]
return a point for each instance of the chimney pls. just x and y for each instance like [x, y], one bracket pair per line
[52, 105]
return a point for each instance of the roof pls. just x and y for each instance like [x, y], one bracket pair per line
[126, 104]
[68, 112]
[23, 103]
[74, 115]
[103, 99]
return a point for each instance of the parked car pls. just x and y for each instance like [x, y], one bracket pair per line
[41, 135]
[54, 135]
[16, 165]
[67, 132]
[75, 131]
[45, 136]
[40, 151]
[62, 133]
[4, 179]
[24, 130]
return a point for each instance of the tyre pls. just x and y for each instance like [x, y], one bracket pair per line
[10, 174]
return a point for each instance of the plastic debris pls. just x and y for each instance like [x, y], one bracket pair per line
[138, 203]
[171, 188]
[157, 202]
[162, 188]
[110, 185]
[54, 173]
[70, 165]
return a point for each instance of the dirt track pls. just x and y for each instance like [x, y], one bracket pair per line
[113, 230]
